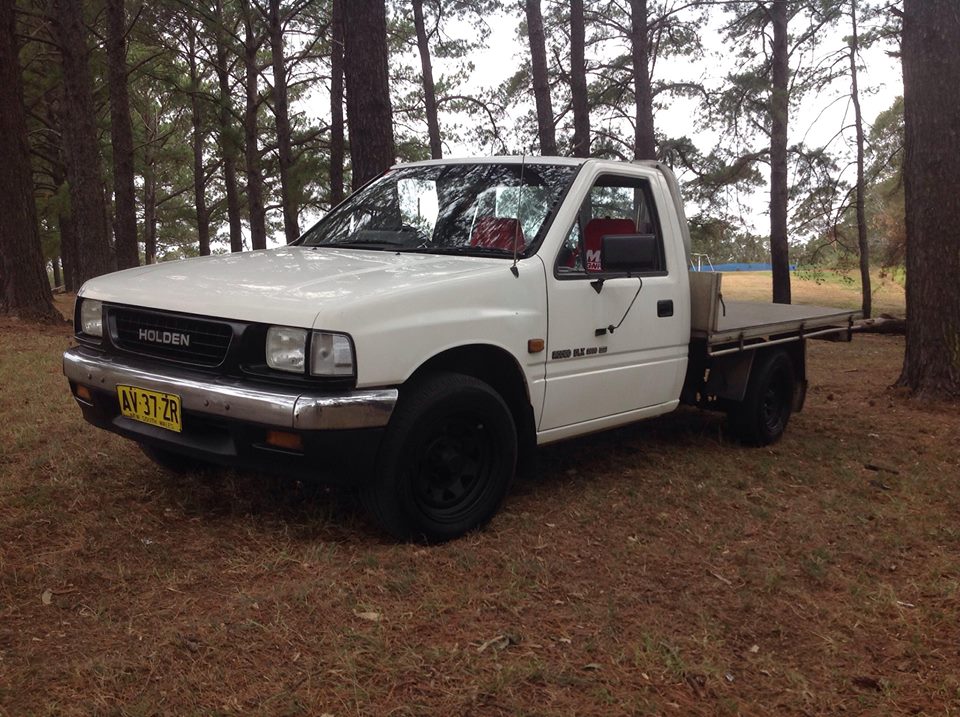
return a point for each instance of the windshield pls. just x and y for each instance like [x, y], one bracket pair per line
[448, 208]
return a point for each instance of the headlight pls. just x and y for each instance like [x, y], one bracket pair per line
[91, 317]
[331, 354]
[286, 348]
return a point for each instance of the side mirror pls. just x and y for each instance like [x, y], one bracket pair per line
[630, 253]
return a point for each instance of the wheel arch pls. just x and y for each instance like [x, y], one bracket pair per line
[496, 367]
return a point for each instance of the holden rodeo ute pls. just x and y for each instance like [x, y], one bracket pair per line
[443, 320]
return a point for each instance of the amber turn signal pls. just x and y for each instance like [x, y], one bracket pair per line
[535, 346]
[84, 393]
[282, 439]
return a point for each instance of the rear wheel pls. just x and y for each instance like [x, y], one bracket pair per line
[762, 417]
[446, 461]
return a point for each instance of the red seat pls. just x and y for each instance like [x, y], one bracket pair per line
[497, 233]
[593, 235]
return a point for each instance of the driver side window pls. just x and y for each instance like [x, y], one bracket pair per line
[615, 206]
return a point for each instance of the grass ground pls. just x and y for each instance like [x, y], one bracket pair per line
[824, 287]
[659, 569]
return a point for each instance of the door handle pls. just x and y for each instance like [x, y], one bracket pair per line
[665, 308]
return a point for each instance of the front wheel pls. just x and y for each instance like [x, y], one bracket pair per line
[446, 461]
[762, 417]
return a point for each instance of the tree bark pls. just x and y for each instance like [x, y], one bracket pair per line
[645, 143]
[862, 243]
[337, 148]
[151, 129]
[121, 137]
[24, 287]
[57, 275]
[779, 117]
[228, 143]
[578, 81]
[429, 91]
[197, 139]
[289, 192]
[84, 171]
[369, 111]
[546, 129]
[258, 214]
[931, 75]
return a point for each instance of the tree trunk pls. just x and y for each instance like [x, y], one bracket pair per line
[251, 43]
[337, 152]
[84, 172]
[864, 246]
[121, 136]
[578, 81]
[57, 275]
[151, 130]
[289, 191]
[68, 251]
[931, 76]
[24, 287]
[645, 143]
[197, 139]
[429, 91]
[779, 116]
[228, 143]
[546, 129]
[369, 113]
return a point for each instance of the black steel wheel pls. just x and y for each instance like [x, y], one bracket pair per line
[762, 417]
[446, 461]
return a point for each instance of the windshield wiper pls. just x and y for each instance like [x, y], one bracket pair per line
[471, 249]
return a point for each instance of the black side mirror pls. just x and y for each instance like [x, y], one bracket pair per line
[630, 253]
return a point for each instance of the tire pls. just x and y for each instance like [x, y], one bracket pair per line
[762, 417]
[173, 462]
[446, 461]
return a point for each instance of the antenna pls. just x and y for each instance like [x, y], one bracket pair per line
[516, 232]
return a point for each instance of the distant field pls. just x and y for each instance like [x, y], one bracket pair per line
[833, 289]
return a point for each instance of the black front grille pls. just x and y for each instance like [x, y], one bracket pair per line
[170, 336]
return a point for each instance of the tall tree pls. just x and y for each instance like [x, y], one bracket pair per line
[197, 139]
[429, 90]
[369, 110]
[578, 81]
[644, 144]
[288, 193]
[779, 119]
[225, 116]
[546, 126]
[255, 202]
[84, 171]
[860, 190]
[337, 144]
[758, 98]
[931, 76]
[121, 136]
[24, 287]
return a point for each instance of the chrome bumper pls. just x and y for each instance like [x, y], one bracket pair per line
[233, 398]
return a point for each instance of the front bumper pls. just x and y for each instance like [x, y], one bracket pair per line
[225, 420]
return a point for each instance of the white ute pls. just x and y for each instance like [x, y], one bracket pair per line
[434, 328]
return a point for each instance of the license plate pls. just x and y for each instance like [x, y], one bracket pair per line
[153, 407]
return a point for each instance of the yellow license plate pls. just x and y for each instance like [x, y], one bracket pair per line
[153, 407]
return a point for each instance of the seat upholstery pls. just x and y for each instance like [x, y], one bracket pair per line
[497, 233]
[593, 235]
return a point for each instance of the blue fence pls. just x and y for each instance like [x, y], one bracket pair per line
[739, 267]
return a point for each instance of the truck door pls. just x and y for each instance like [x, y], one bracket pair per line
[617, 344]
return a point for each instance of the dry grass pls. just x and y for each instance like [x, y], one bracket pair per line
[826, 288]
[657, 569]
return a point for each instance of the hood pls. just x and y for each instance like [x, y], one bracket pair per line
[289, 285]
